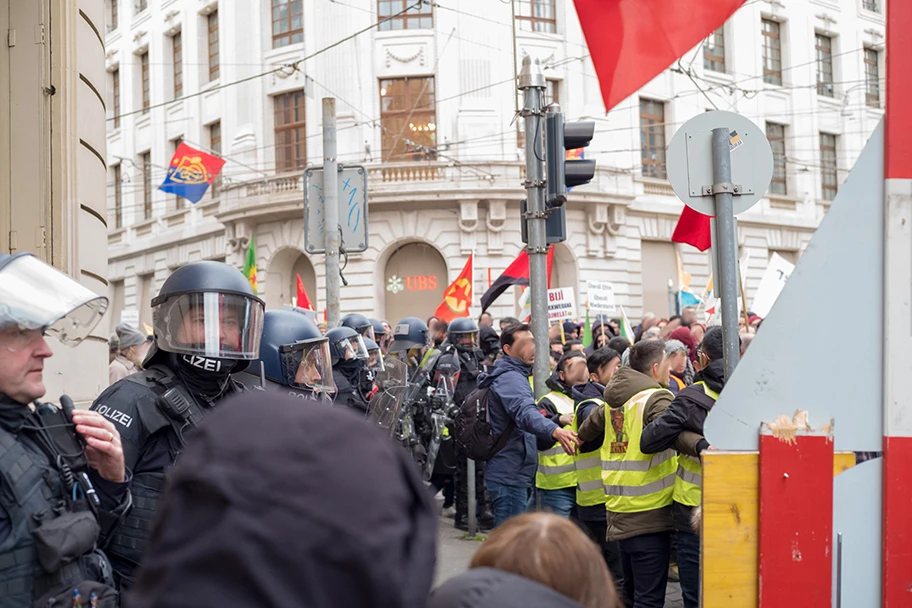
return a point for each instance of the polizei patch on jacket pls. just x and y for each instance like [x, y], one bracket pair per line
[115, 415]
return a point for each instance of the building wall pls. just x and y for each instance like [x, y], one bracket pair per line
[467, 200]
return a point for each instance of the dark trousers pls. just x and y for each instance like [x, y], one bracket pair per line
[598, 532]
[689, 567]
[462, 488]
[645, 561]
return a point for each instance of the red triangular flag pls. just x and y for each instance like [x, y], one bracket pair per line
[694, 229]
[632, 41]
[457, 298]
[303, 300]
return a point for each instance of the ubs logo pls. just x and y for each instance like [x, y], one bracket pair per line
[395, 284]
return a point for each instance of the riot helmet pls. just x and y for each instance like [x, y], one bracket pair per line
[38, 300]
[463, 334]
[409, 333]
[374, 355]
[345, 344]
[208, 309]
[294, 353]
[379, 330]
[359, 323]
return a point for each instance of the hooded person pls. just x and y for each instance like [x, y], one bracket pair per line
[131, 348]
[207, 324]
[254, 516]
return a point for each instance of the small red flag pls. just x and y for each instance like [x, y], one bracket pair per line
[303, 300]
[694, 229]
[632, 41]
[457, 298]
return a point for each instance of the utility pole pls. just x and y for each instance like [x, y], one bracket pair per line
[331, 234]
[532, 84]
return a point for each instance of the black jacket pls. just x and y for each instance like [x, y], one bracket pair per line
[490, 588]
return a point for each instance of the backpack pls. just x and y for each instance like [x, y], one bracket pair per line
[474, 432]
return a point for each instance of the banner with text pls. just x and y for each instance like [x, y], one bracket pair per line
[601, 297]
[561, 304]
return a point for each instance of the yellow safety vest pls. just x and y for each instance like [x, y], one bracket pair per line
[590, 491]
[556, 470]
[634, 481]
[688, 486]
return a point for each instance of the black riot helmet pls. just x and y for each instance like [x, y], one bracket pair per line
[294, 353]
[409, 333]
[345, 344]
[379, 330]
[463, 334]
[359, 323]
[207, 309]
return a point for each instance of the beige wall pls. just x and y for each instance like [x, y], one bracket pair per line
[52, 149]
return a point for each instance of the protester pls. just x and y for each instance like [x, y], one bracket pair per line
[555, 481]
[653, 333]
[554, 358]
[677, 364]
[485, 320]
[511, 472]
[507, 322]
[697, 330]
[131, 350]
[574, 345]
[571, 330]
[681, 425]
[256, 516]
[558, 346]
[746, 340]
[683, 334]
[688, 316]
[555, 333]
[619, 345]
[489, 343]
[533, 561]
[754, 322]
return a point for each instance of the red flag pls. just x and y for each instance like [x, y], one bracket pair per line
[516, 273]
[303, 300]
[632, 41]
[693, 228]
[457, 298]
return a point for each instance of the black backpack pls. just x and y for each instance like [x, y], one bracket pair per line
[474, 432]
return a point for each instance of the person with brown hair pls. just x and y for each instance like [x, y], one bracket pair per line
[536, 560]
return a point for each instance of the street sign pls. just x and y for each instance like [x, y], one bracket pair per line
[561, 303]
[601, 297]
[352, 209]
[690, 161]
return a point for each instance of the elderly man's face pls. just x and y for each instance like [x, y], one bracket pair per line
[22, 355]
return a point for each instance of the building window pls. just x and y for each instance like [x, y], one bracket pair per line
[287, 22]
[141, 5]
[408, 118]
[416, 18]
[552, 92]
[824, 65]
[178, 60]
[115, 88]
[215, 146]
[872, 78]
[775, 133]
[828, 166]
[145, 161]
[212, 23]
[652, 138]
[536, 15]
[118, 197]
[772, 52]
[290, 136]
[871, 5]
[113, 25]
[179, 201]
[144, 76]
[714, 51]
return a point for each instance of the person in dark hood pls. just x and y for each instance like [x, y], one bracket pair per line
[555, 480]
[266, 508]
[489, 343]
[681, 425]
[536, 560]
[208, 323]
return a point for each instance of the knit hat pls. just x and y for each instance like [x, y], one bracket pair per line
[673, 346]
[129, 336]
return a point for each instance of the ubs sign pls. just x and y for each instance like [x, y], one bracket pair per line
[396, 284]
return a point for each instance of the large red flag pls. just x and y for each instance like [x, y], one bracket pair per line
[457, 298]
[694, 229]
[632, 41]
[516, 273]
[303, 300]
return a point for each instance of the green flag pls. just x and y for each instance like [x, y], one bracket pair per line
[250, 265]
[587, 331]
[626, 329]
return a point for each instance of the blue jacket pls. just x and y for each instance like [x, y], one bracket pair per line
[511, 397]
[582, 392]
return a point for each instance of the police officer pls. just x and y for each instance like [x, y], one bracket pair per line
[354, 382]
[411, 342]
[294, 358]
[381, 336]
[360, 324]
[462, 352]
[56, 481]
[207, 322]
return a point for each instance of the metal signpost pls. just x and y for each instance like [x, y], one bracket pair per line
[720, 164]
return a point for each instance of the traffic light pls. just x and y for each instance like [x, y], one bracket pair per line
[555, 225]
[560, 172]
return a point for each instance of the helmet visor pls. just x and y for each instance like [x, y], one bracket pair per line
[226, 326]
[466, 340]
[375, 360]
[35, 297]
[307, 366]
[351, 348]
[368, 332]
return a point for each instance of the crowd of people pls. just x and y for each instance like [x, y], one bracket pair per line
[213, 471]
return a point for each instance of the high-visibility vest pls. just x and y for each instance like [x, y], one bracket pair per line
[688, 485]
[590, 491]
[634, 481]
[680, 383]
[555, 467]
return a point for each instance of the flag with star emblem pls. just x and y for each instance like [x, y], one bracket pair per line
[457, 298]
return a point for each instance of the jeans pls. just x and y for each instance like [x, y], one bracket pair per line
[598, 532]
[689, 567]
[560, 502]
[507, 500]
[645, 561]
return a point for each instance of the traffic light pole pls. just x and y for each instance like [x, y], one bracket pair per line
[532, 84]
[331, 208]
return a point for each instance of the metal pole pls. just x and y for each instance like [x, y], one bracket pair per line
[672, 299]
[532, 84]
[331, 236]
[470, 484]
[723, 191]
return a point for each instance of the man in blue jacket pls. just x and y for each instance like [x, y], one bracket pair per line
[510, 474]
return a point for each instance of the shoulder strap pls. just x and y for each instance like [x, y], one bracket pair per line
[175, 407]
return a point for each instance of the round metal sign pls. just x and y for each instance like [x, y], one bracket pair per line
[690, 162]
